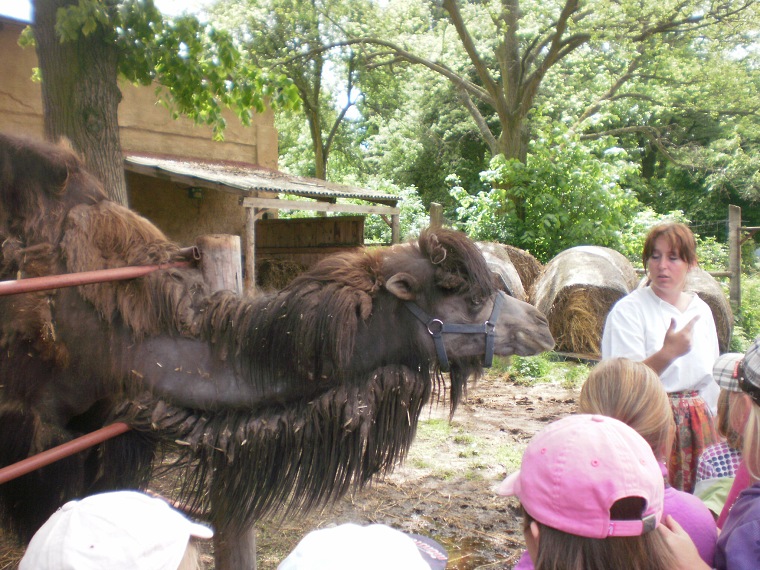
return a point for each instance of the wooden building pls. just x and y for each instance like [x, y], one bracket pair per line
[189, 185]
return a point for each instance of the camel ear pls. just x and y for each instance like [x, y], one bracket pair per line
[402, 285]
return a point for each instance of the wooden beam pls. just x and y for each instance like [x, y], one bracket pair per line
[249, 251]
[317, 206]
[735, 256]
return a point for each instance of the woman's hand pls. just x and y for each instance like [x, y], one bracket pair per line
[675, 345]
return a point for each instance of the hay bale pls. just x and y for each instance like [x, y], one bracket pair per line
[711, 292]
[576, 290]
[527, 266]
[274, 274]
[501, 265]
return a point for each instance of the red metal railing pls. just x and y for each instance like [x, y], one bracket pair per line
[32, 284]
[72, 280]
[64, 450]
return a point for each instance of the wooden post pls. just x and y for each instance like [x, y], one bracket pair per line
[250, 250]
[235, 552]
[735, 256]
[436, 215]
[395, 228]
[220, 262]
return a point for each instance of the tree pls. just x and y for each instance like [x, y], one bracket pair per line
[83, 46]
[293, 37]
[508, 51]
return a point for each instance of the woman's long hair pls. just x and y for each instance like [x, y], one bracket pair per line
[751, 451]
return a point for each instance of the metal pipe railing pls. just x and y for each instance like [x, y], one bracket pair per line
[32, 284]
[59, 452]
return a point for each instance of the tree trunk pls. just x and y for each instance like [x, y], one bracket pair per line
[80, 95]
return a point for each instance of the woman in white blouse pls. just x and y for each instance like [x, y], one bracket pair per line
[673, 332]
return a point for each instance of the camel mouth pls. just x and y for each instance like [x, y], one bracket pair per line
[530, 343]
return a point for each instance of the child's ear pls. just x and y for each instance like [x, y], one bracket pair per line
[535, 531]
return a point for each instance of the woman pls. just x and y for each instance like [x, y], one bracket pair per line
[673, 332]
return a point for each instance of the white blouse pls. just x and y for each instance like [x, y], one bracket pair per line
[636, 327]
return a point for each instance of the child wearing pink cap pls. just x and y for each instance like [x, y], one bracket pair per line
[632, 393]
[592, 493]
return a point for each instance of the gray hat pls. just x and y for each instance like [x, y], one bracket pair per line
[726, 371]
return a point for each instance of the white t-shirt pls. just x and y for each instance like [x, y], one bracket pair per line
[636, 327]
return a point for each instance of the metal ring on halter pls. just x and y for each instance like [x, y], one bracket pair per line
[433, 321]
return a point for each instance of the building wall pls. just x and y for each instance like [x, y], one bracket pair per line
[146, 126]
[183, 217]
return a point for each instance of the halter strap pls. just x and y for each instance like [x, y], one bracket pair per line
[436, 327]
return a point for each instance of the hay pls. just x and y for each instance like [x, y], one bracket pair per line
[501, 265]
[527, 266]
[274, 274]
[576, 291]
[577, 317]
[712, 293]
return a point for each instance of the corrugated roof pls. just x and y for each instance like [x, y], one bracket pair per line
[244, 178]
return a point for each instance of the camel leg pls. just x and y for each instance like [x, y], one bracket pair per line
[235, 551]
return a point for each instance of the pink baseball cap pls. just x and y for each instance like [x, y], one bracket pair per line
[576, 468]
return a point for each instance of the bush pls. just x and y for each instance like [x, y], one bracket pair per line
[531, 367]
[747, 319]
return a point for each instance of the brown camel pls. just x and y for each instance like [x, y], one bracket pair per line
[270, 403]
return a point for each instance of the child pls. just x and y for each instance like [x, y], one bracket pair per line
[371, 547]
[737, 547]
[122, 530]
[632, 393]
[718, 463]
[672, 331]
[592, 493]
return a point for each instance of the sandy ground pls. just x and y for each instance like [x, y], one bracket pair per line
[444, 489]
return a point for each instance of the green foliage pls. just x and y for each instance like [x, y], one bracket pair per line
[531, 367]
[566, 193]
[412, 219]
[747, 320]
[200, 69]
[575, 376]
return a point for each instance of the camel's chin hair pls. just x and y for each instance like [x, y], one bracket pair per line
[289, 459]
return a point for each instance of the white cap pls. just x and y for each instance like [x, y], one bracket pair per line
[351, 546]
[123, 530]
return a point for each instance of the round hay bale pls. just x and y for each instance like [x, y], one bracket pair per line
[576, 290]
[274, 274]
[501, 265]
[527, 266]
[711, 292]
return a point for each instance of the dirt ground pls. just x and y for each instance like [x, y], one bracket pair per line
[445, 488]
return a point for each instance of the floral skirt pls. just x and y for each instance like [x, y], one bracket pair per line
[695, 431]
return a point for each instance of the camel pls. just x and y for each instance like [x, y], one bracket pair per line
[269, 404]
